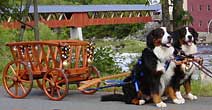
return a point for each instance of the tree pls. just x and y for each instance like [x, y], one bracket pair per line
[9, 9]
[165, 14]
[180, 17]
[177, 10]
[15, 11]
[23, 26]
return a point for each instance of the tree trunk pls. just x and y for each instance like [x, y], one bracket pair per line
[23, 26]
[36, 29]
[165, 14]
[177, 10]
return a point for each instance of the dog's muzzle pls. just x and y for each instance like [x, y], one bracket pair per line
[169, 42]
[190, 40]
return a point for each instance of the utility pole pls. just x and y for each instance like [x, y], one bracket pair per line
[36, 29]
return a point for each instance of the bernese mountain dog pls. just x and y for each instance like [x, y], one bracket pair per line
[152, 72]
[184, 42]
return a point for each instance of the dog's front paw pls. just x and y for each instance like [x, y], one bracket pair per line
[161, 104]
[180, 97]
[141, 102]
[182, 100]
[178, 101]
[190, 96]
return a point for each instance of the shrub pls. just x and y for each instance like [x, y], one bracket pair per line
[104, 61]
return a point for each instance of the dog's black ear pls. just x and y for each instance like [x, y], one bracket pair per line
[149, 40]
[195, 34]
[176, 38]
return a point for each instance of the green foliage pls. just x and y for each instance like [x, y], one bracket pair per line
[55, 2]
[6, 35]
[184, 18]
[45, 34]
[118, 1]
[125, 46]
[103, 60]
[115, 31]
[11, 8]
[86, 2]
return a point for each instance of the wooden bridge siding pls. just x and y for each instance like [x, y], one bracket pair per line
[82, 20]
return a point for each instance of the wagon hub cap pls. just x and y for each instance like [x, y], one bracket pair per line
[15, 79]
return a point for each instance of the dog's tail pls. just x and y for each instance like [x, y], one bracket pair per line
[113, 97]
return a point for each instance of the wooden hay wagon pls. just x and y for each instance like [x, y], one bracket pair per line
[53, 64]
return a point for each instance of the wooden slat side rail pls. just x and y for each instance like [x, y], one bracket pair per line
[85, 56]
[77, 56]
[14, 53]
[43, 55]
[31, 43]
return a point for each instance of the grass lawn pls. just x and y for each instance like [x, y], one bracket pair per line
[125, 46]
[201, 88]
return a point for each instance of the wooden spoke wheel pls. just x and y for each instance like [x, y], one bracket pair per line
[55, 84]
[93, 73]
[17, 79]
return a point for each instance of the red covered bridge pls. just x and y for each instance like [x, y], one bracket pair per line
[78, 16]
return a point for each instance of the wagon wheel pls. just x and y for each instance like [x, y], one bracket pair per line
[17, 79]
[93, 73]
[55, 84]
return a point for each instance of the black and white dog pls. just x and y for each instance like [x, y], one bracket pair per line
[152, 73]
[184, 41]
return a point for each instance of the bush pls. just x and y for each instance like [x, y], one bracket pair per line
[104, 61]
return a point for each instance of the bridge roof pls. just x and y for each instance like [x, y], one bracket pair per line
[93, 8]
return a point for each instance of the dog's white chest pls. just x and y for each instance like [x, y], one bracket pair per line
[188, 70]
[166, 77]
[189, 49]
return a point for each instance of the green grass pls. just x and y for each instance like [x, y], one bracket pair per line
[200, 88]
[129, 46]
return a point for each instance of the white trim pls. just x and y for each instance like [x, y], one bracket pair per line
[209, 25]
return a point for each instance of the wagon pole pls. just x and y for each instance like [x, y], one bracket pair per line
[98, 80]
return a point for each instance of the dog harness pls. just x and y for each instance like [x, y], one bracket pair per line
[135, 80]
[167, 64]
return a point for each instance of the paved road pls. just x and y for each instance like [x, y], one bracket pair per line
[77, 101]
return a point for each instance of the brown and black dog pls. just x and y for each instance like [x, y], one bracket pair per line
[184, 42]
[152, 72]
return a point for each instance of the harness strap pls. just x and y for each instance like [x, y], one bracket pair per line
[167, 63]
[137, 86]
